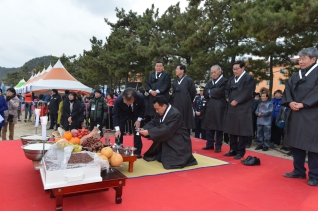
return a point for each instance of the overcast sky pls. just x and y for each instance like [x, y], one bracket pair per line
[35, 28]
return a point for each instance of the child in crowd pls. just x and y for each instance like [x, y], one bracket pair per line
[264, 120]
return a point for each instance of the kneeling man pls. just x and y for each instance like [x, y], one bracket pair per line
[172, 144]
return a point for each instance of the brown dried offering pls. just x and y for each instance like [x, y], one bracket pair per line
[80, 158]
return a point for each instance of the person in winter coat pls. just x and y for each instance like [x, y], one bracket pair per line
[27, 106]
[10, 115]
[3, 107]
[97, 111]
[276, 131]
[263, 112]
[82, 113]
[71, 111]
[54, 108]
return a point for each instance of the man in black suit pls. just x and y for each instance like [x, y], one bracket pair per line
[158, 83]
[130, 105]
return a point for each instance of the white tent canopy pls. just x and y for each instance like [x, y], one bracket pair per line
[57, 78]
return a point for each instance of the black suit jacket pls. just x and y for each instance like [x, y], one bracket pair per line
[121, 110]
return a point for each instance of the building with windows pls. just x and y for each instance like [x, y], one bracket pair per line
[278, 72]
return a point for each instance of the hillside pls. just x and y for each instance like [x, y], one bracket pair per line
[4, 71]
[30, 65]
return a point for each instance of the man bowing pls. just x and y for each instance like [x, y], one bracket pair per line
[172, 143]
[130, 105]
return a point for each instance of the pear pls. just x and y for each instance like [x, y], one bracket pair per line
[77, 148]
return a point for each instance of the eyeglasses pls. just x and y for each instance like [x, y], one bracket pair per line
[235, 69]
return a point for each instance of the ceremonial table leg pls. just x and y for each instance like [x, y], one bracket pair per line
[59, 203]
[119, 191]
[131, 166]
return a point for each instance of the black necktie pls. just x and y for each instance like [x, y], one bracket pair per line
[236, 77]
[130, 108]
[158, 74]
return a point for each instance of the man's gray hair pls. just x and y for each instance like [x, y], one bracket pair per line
[217, 66]
[310, 52]
[129, 93]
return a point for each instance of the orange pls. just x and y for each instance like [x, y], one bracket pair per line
[75, 141]
[67, 135]
[57, 139]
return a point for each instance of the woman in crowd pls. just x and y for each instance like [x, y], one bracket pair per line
[10, 115]
[110, 103]
[82, 112]
[3, 107]
[71, 111]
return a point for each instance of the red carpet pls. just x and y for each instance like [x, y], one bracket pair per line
[228, 187]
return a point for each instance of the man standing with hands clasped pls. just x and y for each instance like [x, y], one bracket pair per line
[130, 105]
[214, 93]
[301, 91]
[183, 95]
[158, 83]
[238, 120]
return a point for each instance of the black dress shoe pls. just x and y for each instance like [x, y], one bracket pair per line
[294, 175]
[207, 148]
[265, 149]
[238, 157]
[254, 161]
[248, 146]
[312, 181]
[139, 156]
[217, 150]
[259, 147]
[247, 159]
[230, 153]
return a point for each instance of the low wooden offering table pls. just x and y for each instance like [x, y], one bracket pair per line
[131, 159]
[113, 179]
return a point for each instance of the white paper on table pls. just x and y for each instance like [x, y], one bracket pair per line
[37, 117]
[43, 132]
[43, 120]
[43, 123]
[1, 119]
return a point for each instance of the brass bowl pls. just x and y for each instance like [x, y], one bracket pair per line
[34, 151]
[26, 139]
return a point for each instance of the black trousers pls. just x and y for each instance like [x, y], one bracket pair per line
[198, 129]
[226, 138]
[238, 144]
[137, 138]
[299, 156]
[276, 133]
[53, 121]
[210, 138]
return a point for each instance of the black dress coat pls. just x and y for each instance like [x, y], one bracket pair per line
[174, 139]
[238, 119]
[213, 117]
[163, 84]
[182, 98]
[75, 114]
[301, 126]
[121, 111]
[54, 104]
